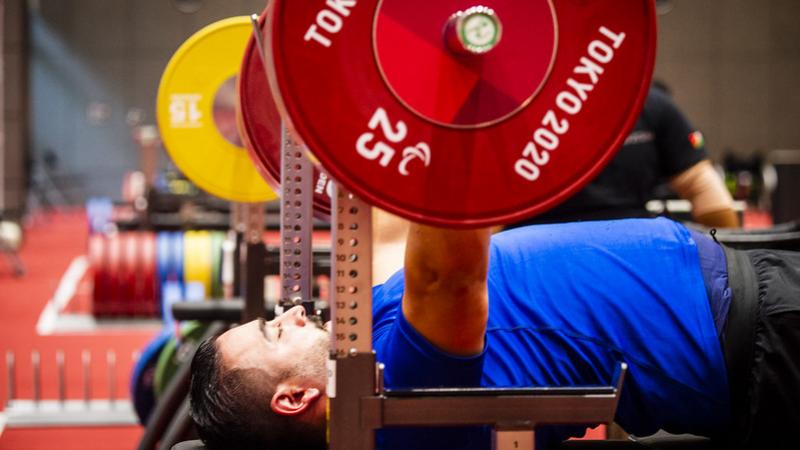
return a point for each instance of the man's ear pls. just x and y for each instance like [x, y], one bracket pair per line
[293, 400]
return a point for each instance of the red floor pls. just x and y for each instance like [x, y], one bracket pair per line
[71, 439]
[51, 244]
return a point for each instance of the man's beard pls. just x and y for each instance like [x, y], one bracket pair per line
[312, 363]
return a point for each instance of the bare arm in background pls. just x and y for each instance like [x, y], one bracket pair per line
[712, 204]
[389, 234]
[446, 295]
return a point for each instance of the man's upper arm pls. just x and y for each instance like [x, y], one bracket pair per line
[446, 296]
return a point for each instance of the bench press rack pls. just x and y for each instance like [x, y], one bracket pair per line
[360, 404]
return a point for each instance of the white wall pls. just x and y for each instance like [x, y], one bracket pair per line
[734, 66]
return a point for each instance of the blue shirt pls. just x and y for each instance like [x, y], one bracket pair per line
[714, 267]
[567, 303]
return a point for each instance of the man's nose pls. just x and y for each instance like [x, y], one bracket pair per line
[295, 316]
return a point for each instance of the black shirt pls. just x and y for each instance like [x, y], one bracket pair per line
[662, 145]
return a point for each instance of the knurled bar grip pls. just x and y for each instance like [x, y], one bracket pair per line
[351, 271]
[296, 224]
[254, 222]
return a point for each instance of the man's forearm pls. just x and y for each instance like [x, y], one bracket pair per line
[712, 204]
[726, 218]
[446, 296]
[436, 255]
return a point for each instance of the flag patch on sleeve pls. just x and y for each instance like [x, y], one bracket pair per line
[697, 140]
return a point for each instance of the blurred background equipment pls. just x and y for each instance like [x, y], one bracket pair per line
[785, 198]
[10, 243]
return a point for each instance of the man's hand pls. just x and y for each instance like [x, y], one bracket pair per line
[446, 296]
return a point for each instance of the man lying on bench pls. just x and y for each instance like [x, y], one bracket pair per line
[711, 337]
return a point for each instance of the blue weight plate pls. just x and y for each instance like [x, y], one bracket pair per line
[143, 377]
[163, 262]
[99, 213]
[177, 256]
[171, 293]
[162, 256]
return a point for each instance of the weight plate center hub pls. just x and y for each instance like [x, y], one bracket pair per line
[224, 112]
[469, 67]
[476, 30]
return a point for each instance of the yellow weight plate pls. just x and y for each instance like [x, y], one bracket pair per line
[197, 259]
[197, 113]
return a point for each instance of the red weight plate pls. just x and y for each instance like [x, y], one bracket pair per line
[261, 126]
[115, 281]
[98, 246]
[148, 272]
[135, 275]
[428, 130]
[138, 279]
[129, 274]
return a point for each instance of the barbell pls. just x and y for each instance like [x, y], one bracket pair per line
[454, 113]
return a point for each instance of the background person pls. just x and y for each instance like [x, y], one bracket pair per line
[663, 147]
